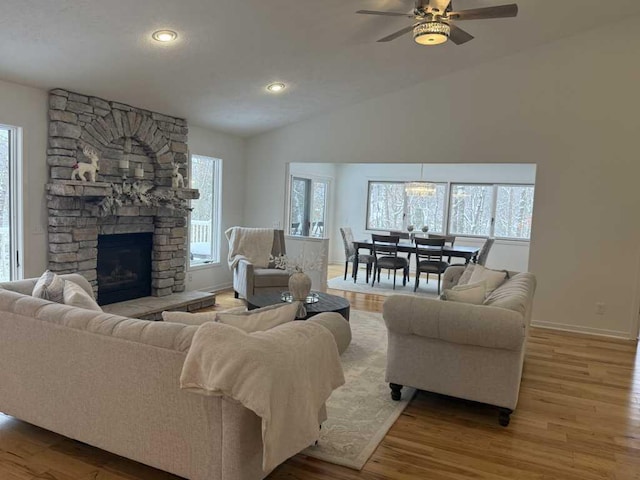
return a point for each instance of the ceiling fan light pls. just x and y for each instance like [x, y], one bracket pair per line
[431, 33]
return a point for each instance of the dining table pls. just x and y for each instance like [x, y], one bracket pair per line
[470, 254]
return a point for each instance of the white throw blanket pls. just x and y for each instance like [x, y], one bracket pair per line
[284, 375]
[253, 244]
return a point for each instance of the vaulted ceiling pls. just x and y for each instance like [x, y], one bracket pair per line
[229, 50]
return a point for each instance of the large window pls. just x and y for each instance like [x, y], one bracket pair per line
[500, 211]
[204, 228]
[391, 208]
[308, 208]
[461, 209]
[10, 224]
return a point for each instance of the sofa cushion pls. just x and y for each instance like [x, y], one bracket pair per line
[514, 294]
[260, 319]
[198, 318]
[494, 278]
[473, 293]
[466, 275]
[75, 296]
[49, 287]
[270, 277]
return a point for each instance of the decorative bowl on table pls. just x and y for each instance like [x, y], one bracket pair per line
[313, 297]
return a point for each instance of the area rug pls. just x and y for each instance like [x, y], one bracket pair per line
[385, 287]
[360, 412]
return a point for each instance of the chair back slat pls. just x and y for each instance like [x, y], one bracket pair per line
[434, 250]
[384, 245]
[450, 239]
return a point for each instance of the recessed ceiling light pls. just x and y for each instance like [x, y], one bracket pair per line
[276, 87]
[164, 36]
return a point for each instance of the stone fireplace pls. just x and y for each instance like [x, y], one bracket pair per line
[133, 194]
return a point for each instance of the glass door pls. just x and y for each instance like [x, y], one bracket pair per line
[308, 207]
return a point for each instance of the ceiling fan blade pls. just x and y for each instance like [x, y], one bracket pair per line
[399, 33]
[459, 36]
[500, 11]
[386, 14]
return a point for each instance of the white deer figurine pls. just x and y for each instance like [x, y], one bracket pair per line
[80, 170]
[177, 180]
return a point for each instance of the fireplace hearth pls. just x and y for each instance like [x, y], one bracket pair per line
[124, 267]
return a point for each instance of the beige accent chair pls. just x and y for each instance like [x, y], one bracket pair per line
[474, 352]
[249, 280]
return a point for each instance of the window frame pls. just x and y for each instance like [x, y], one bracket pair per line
[216, 215]
[494, 203]
[405, 208]
[16, 206]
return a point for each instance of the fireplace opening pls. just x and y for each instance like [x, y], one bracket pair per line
[124, 267]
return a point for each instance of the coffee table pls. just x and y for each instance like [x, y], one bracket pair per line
[327, 303]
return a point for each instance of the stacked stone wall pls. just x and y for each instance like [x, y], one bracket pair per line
[149, 140]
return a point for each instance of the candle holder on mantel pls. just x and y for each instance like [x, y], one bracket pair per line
[138, 172]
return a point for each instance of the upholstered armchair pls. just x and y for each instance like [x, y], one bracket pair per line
[250, 280]
[475, 352]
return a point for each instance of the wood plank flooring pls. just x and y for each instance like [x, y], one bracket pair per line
[578, 418]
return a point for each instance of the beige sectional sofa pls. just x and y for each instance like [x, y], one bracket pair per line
[475, 352]
[113, 382]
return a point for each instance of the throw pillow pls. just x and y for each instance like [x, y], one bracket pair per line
[472, 293]
[199, 318]
[466, 275]
[74, 295]
[261, 319]
[494, 278]
[49, 287]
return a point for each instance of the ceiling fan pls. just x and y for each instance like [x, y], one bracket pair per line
[435, 21]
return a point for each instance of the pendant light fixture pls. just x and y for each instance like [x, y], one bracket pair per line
[420, 188]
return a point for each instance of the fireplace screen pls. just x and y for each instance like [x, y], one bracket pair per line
[124, 267]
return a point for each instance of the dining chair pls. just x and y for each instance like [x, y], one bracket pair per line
[385, 253]
[484, 251]
[429, 261]
[450, 239]
[350, 254]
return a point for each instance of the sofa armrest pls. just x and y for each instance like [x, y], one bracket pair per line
[243, 278]
[455, 322]
[452, 276]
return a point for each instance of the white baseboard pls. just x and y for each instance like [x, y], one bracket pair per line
[600, 332]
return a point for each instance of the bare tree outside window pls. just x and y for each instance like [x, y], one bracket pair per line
[386, 206]
[514, 211]
[470, 212]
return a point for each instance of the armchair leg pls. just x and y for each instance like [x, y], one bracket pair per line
[415, 288]
[236, 294]
[504, 416]
[439, 283]
[394, 278]
[346, 268]
[396, 391]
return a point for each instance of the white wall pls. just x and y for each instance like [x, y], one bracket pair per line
[570, 107]
[27, 108]
[231, 150]
[350, 206]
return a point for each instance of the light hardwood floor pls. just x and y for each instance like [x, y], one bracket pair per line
[578, 418]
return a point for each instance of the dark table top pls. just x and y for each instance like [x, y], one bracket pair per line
[327, 303]
[407, 247]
